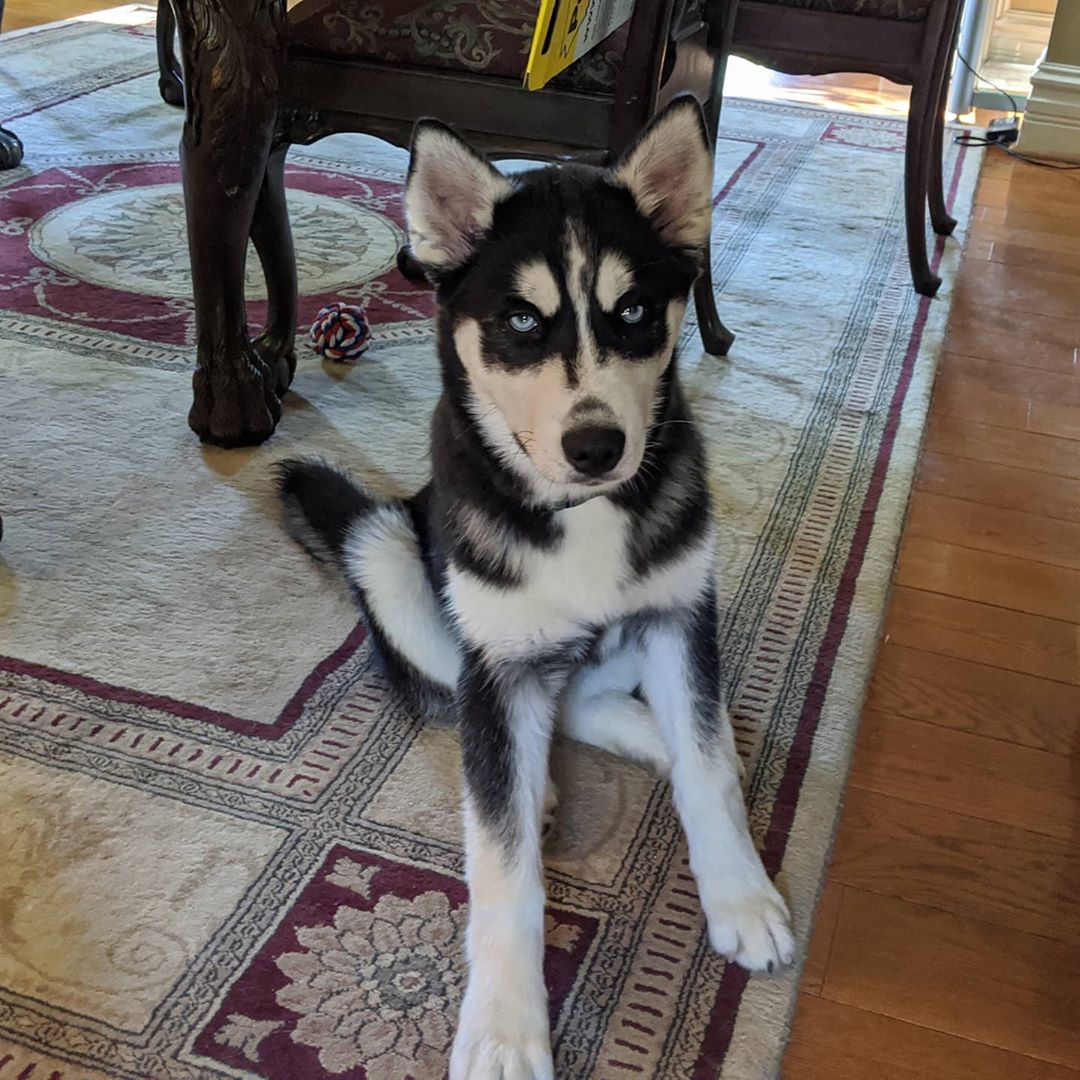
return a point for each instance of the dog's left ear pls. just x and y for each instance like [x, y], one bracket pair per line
[669, 172]
[450, 197]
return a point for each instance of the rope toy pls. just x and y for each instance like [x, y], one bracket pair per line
[340, 332]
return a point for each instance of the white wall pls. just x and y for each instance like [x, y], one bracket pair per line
[1052, 122]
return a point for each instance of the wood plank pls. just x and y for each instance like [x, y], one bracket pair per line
[960, 437]
[1069, 225]
[1027, 383]
[1020, 254]
[1000, 485]
[977, 328]
[992, 190]
[968, 774]
[830, 1041]
[994, 529]
[967, 696]
[1016, 991]
[1048, 240]
[1023, 288]
[817, 957]
[24, 13]
[1001, 164]
[957, 396]
[983, 869]
[987, 635]
[1048, 195]
[988, 578]
[960, 395]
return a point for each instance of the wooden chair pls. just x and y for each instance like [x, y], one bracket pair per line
[258, 79]
[909, 41]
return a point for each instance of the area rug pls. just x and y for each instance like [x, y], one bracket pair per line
[226, 850]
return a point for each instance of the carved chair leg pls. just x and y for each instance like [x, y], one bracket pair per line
[916, 179]
[170, 83]
[232, 68]
[273, 241]
[11, 149]
[715, 336]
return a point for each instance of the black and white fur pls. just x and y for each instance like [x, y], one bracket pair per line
[558, 569]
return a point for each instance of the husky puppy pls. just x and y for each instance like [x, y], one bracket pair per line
[558, 569]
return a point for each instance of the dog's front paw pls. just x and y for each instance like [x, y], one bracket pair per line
[753, 930]
[501, 1047]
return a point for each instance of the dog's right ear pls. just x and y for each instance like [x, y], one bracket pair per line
[669, 172]
[450, 197]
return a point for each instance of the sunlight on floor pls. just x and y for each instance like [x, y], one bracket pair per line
[848, 93]
[129, 15]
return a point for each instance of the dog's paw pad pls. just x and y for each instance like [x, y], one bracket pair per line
[755, 932]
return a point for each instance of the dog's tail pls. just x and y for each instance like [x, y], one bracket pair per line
[374, 544]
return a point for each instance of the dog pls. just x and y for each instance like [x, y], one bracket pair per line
[558, 570]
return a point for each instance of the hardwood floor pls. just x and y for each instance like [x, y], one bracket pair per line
[947, 943]
[948, 940]
[20, 14]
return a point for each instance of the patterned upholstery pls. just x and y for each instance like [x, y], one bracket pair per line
[902, 10]
[481, 36]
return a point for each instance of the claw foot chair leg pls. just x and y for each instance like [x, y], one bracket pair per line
[273, 241]
[170, 81]
[11, 149]
[233, 52]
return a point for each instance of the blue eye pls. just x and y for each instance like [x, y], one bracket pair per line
[632, 313]
[523, 322]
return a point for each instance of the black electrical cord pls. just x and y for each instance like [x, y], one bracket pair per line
[1058, 166]
[967, 139]
[1000, 89]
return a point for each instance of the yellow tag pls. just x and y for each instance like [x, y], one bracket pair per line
[566, 30]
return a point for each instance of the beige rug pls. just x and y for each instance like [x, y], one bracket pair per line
[225, 849]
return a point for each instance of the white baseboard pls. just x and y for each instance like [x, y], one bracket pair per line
[1051, 125]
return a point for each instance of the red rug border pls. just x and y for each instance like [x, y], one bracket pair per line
[186, 710]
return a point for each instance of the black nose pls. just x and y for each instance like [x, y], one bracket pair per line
[593, 451]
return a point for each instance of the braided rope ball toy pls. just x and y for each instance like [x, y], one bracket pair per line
[340, 332]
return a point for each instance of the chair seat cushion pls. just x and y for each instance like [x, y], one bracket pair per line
[484, 37]
[901, 10]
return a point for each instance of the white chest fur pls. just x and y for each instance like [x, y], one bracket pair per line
[584, 582]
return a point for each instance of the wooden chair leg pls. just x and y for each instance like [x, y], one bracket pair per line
[170, 84]
[273, 241]
[916, 180]
[715, 336]
[943, 222]
[11, 149]
[224, 152]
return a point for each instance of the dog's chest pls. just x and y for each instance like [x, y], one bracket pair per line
[583, 582]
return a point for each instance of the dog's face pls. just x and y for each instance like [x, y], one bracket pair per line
[563, 290]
